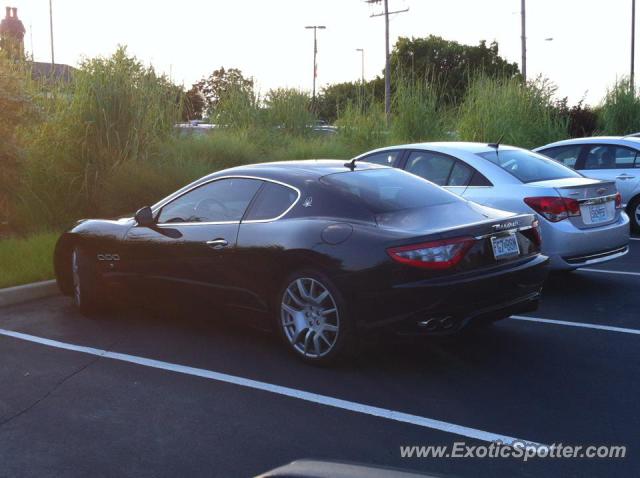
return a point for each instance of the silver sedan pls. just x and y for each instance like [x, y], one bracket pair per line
[582, 220]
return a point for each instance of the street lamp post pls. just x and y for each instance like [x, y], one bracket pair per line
[315, 55]
[523, 38]
[633, 44]
[361, 50]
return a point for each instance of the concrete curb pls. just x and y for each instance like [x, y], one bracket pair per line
[25, 293]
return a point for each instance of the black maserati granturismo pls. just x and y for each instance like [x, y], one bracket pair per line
[322, 251]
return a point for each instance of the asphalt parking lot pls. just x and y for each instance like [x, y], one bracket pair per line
[139, 393]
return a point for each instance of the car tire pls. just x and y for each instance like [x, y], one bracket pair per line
[634, 213]
[86, 290]
[312, 318]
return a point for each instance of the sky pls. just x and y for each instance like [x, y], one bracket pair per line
[188, 39]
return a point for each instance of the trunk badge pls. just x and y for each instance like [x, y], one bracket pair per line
[601, 190]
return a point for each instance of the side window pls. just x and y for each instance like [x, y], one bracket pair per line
[430, 166]
[625, 158]
[273, 200]
[218, 201]
[609, 157]
[460, 175]
[386, 158]
[567, 155]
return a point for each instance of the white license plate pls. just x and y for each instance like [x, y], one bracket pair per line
[505, 246]
[597, 213]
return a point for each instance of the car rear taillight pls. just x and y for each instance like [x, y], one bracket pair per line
[618, 201]
[554, 208]
[433, 255]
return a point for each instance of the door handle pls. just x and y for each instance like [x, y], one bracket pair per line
[625, 176]
[217, 244]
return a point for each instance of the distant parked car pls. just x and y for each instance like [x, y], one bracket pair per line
[582, 220]
[613, 158]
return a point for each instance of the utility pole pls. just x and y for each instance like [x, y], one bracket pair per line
[523, 18]
[315, 55]
[633, 44]
[361, 50]
[387, 66]
[53, 58]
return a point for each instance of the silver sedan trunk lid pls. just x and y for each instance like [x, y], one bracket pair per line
[596, 199]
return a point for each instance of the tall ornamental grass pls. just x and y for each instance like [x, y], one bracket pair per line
[620, 110]
[418, 111]
[521, 115]
[115, 111]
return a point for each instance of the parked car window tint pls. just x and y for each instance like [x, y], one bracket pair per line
[385, 158]
[218, 201]
[272, 200]
[567, 155]
[528, 166]
[479, 179]
[431, 166]
[460, 175]
[388, 190]
[609, 157]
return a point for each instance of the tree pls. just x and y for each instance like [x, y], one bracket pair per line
[222, 83]
[194, 104]
[335, 98]
[449, 63]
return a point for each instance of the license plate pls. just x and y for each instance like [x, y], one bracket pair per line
[598, 213]
[505, 246]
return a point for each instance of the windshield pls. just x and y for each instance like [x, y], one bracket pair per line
[527, 166]
[387, 190]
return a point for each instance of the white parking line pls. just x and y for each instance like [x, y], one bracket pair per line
[604, 271]
[277, 389]
[577, 324]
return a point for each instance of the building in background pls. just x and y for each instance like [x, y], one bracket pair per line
[12, 33]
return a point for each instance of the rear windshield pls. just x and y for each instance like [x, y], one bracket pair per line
[388, 190]
[527, 166]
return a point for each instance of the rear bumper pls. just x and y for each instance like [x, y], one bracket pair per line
[569, 247]
[453, 303]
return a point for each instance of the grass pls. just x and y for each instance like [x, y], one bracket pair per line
[28, 259]
[620, 110]
[520, 115]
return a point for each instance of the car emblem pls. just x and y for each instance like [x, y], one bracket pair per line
[506, 225]
[601, 190]
[308, 202]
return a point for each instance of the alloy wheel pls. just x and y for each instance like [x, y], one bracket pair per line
[309, 317]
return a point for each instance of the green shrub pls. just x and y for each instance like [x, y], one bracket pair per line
[620, 110]
[417, 112]
[114, 112]
[504, 108]
[288, 109]
[363, 127]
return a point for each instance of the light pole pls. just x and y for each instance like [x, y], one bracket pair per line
[315, 55]
[53, 59]
[633, 44]
[361, 50]
[523, 39]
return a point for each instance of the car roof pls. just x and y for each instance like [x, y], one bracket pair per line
[293, 172]
[445, 147]
[620, 140]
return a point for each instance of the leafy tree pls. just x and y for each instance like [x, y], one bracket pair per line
[334, 98]
[449, 63]
[221, 83]
[194, 104]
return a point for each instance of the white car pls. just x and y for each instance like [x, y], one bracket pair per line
[581, 219]
[615, 158]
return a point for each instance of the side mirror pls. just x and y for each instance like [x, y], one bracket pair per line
[144, 217]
